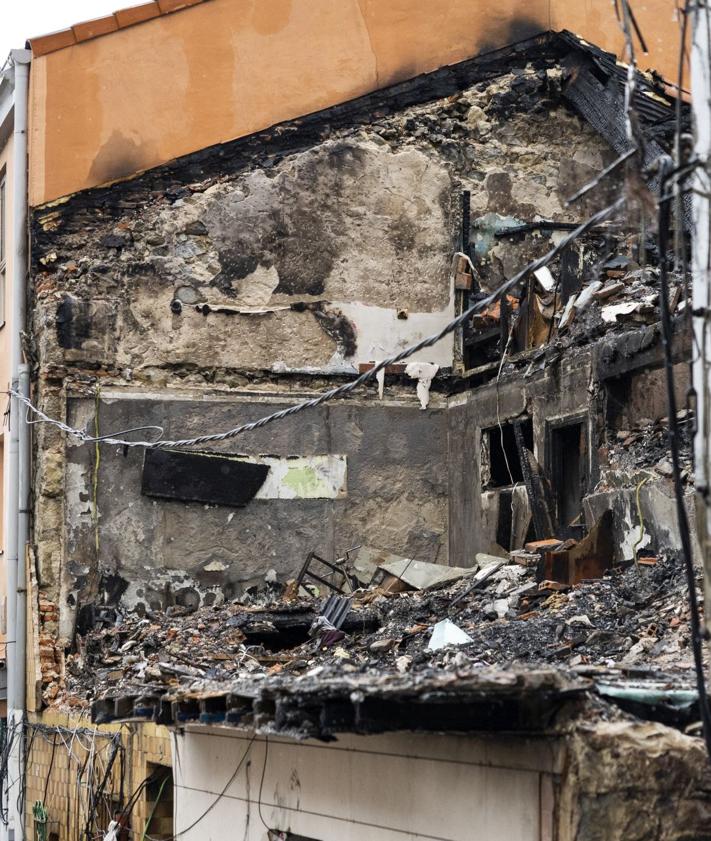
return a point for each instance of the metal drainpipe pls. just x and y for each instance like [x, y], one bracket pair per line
[701, 276]
[18, 504]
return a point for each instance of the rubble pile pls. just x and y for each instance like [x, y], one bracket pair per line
[611, 299]
[647, 447]
[632, 621]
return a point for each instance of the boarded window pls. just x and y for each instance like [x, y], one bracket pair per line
[213, 478]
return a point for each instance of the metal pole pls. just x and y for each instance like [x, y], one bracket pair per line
[701, 274]
[19, 445]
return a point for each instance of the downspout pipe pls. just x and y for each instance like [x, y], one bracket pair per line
[19, 467]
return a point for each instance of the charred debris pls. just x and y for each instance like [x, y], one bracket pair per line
[572, 600]
[422, 647]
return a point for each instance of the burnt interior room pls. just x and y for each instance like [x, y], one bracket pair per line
[567, 451]
[500, 459]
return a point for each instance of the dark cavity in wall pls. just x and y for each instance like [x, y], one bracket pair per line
[567, 446]
[499, 450]
[73, 322]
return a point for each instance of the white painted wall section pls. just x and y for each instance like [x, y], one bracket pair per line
[363, 788]
[303, 477]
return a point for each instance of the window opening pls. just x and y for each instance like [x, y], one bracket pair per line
[500, 462]
[568, 443]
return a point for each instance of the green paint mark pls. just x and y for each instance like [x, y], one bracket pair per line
[487, 226]
[305, 482]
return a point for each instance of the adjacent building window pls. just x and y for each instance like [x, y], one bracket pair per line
[3, 220]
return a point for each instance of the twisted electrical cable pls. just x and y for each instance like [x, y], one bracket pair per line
[340, 391]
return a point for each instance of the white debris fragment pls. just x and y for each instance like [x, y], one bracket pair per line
[509, 572]
[545, 279]
[424, 373]
[609, 314]
[568, 313]
[582, 619]
[380, 379]
[447, 633]
[402, 664]
[586, 296]
[501, 607]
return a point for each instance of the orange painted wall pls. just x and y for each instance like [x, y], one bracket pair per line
[138, 97]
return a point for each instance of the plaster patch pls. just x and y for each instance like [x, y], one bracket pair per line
[380, 333]
[308, 477]
[216, 566]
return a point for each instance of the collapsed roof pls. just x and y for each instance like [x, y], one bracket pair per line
[532, 648]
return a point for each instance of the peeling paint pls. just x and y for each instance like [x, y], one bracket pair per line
[309, 477]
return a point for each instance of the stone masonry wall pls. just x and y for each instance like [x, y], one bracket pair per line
[278, 268]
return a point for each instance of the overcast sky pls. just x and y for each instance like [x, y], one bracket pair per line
[21, 19]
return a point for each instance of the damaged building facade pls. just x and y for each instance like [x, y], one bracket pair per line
[328, 247]
[176, 297]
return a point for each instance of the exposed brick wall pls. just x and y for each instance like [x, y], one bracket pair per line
[65, 801]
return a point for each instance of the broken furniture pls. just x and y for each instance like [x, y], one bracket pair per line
[337, 568]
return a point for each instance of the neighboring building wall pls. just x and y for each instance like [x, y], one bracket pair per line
[5, 373]
[64, 765]
[383, 788]
[272, 61]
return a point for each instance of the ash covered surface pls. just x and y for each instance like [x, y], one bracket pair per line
[647, 446]
[632, 623]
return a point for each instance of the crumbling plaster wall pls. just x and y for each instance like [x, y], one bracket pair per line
[348, 240]
[156, 552]
[558, 391]
[306, 254]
